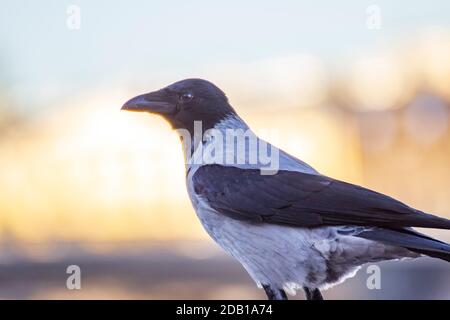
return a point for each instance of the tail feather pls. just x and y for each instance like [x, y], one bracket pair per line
[434, 254]
[432, 221]
[411, 240]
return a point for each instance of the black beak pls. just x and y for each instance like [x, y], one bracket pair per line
[153, 102]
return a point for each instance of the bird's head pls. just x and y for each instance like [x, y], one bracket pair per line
[184, 102]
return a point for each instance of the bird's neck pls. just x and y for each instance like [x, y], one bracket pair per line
[229, 143]
[199, 136]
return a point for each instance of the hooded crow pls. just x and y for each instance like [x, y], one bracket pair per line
[288, 225]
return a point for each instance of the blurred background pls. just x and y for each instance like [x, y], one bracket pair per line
[360, 90]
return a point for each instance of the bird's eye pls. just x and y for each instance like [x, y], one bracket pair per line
[186, 97]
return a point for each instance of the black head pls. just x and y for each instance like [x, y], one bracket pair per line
[184, 102]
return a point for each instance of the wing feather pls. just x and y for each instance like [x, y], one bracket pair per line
[301, 199]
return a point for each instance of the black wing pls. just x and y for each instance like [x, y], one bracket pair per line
[305, 200]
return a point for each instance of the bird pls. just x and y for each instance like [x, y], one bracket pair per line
[291, 227]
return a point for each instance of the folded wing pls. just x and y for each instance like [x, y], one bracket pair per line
[304, 200]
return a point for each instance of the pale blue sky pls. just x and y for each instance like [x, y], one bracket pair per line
[137, 40]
